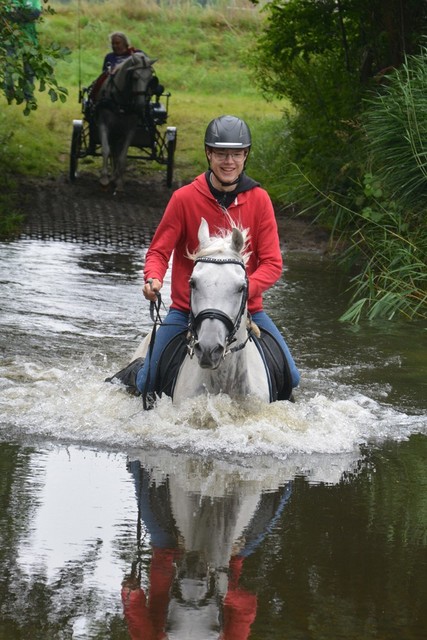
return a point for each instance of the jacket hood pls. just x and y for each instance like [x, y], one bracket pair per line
[224, 198]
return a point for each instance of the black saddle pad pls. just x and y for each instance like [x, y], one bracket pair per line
[277, 366]
[169, 364]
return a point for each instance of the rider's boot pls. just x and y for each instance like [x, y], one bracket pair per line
[149, 400]
[127, 376]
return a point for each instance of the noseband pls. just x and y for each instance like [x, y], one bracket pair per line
[216, 314]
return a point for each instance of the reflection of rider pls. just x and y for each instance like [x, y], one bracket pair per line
[224, 186]
[147, 619]
[168, 606]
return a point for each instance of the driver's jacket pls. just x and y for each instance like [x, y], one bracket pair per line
[177, 234]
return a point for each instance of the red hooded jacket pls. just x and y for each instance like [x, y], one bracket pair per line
[177, 233]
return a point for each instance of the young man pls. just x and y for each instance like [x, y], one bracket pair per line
[223, 191]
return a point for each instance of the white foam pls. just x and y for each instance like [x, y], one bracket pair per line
[73, 403]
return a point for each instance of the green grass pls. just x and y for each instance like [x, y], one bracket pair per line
[201, 53]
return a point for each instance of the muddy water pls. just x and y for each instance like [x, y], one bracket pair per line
[297, 521]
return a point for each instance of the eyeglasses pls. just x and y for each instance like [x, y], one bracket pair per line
[234, 155]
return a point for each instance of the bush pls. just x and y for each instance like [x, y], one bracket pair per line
[387, 215]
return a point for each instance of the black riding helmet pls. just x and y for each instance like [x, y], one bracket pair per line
[228, 132]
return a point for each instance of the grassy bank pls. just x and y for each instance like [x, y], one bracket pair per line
[201, 52]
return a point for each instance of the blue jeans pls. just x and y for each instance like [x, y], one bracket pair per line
[154, 511]
[177, 321]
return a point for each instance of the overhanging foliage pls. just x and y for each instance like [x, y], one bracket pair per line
[24, 60]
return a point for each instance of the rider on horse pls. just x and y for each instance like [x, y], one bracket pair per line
[222, 193]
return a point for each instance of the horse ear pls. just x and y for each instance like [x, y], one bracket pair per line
[203, 233]
[237, 240]
[149, 61]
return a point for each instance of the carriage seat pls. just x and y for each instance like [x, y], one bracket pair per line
[159, 113]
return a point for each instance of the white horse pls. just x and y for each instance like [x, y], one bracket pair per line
[221, 357]
[120, 103]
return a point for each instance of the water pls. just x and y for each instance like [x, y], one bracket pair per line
[303, 520]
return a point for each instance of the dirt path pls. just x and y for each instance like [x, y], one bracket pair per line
[83, 212]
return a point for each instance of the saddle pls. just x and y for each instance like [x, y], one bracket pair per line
[276, 365]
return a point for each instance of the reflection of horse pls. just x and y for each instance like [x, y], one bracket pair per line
[202, 521]
[223, 351]
[119, 104]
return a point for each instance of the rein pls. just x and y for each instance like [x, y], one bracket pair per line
[157, 320]
[216, 314]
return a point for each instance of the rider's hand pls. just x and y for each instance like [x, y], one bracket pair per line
[151, 288]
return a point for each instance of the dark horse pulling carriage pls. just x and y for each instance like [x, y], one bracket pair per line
[120, 110]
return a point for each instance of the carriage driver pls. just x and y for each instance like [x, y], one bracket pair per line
[121, 50]
[223, 188]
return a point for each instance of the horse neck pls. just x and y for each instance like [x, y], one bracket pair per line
[121, 87]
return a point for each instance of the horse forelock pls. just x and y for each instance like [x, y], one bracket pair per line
[220, 244]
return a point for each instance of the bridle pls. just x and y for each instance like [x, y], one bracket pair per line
[127, 92]
[195, 321]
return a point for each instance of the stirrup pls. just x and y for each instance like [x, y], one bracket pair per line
[149, 400]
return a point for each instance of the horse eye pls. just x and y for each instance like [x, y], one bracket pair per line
[241, 288]
[192, 283]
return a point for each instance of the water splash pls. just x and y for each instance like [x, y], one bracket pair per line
[72, 403]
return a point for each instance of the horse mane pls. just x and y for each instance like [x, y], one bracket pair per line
[221, 243]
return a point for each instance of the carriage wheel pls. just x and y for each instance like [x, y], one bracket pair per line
[76, 144]
[170, 149]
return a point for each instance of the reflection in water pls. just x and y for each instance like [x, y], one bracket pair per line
[204, 519]
[199, 542]
[95, 545]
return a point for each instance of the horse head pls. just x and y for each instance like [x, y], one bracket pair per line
[130, 80]
[219, 293]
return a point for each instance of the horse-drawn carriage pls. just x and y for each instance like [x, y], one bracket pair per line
[126, 109]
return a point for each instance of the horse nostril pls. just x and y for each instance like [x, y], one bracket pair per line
[217, 352]
[209, 358]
